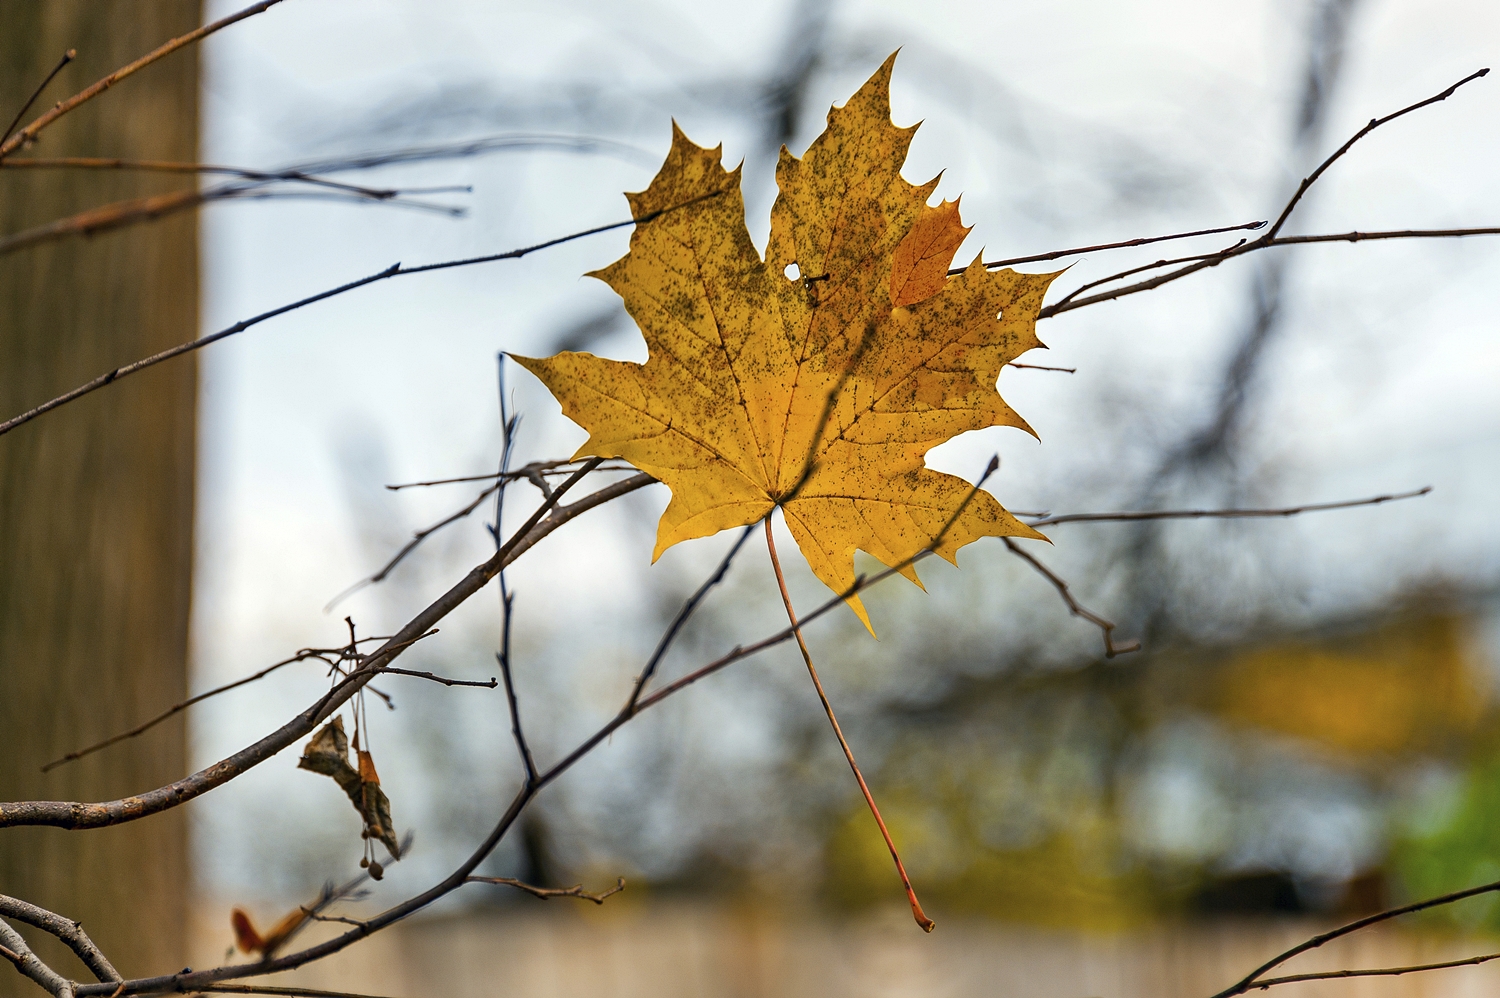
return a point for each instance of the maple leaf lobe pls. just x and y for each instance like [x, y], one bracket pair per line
[820, 394]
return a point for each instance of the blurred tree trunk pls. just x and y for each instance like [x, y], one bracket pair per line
[96, 500]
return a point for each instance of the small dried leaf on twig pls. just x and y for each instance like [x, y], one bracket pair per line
[328, 753]
[249, 940]
[376, 807]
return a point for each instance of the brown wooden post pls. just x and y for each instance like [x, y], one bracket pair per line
[96, 500]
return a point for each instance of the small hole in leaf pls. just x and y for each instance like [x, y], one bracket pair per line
[792, 272]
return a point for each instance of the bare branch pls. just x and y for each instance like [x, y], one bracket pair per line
[14, 949]
[576, 891]
[1217, 258]
[67, 57]
[392, 670]
[395, 270]
[546, 468]
[1157, 265]
[1252, 980]
[1273, 236]
[1355, 237]
[416, 539]
[1224, 514]
[522, 141]
[508, 425]
[1043, 367]
[271, 989]
[119, 214]
[512, 702]
[177, 708]
[683, 614]
[1336, 975]
[1124, 244]
[1074, 607]
[69, 931]
[198, 169]
[1373, 124]
[28, 134]
[110, 216]
[74, 815]
[320, 654]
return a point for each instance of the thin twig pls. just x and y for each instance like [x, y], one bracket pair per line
[1272, 236]
[1227, 514]
[1074, 607]
[211, 169]
[17, 952]
[1355, 237]
[416, 539]
[1042, 367]
[1214, 260]
[142, 728]
[524, 141]
[28, 134]
[1373, 124]
[69, 931]
[328, 896]
[1172, 262]
[926, 923]
[1335, 975]
[340, 919]
[549, 468]
[76, 815]
[67, 57]
[395, 270]
[1251, 980]
[271, 989]
[119, 214]
[1124, 244]
[576, 891]
[683, 614]
[110, 216]
[503, 477]
[493, 682]
[319, 654]
[512, 701]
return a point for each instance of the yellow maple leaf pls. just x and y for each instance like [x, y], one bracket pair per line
[818, 388]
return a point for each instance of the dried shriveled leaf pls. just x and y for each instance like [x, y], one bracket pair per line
[819, 393]
[328, 753]
[375, 807]
[249, 940]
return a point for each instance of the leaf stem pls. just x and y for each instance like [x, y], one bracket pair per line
[926, 923]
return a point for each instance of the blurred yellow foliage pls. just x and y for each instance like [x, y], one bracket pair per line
[1071, 878]
[1411, 686]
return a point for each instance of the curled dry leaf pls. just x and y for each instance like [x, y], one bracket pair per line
[817, 378]
[251, 941]
[375, 807]
[328, 753]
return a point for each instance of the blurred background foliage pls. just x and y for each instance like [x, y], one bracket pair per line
[1118, 793]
